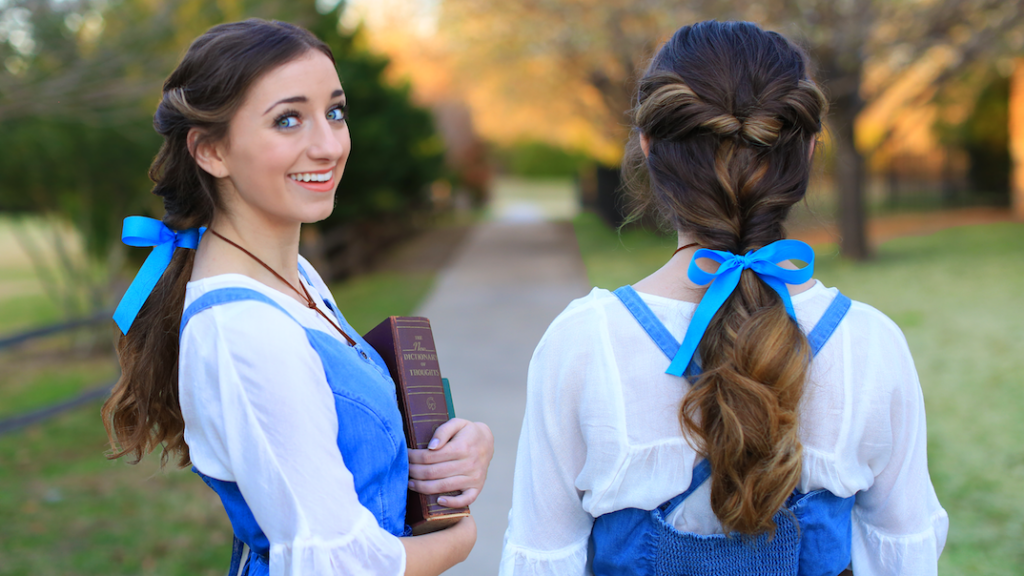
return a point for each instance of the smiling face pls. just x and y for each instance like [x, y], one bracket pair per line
[285, 148]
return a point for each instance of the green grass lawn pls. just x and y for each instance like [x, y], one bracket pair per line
[68, 511]
[957, 296]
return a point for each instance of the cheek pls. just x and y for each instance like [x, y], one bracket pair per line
[345, 139]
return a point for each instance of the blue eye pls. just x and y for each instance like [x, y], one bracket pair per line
[336, 114]
[287, 120]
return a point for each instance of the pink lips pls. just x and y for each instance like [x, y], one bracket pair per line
[325, 186]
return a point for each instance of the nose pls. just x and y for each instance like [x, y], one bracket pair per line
[328, 142]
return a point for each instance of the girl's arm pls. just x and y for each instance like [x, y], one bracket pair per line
[548, 528]
[431, 554]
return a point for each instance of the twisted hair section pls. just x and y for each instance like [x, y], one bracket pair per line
[201, 97]
[729, 114]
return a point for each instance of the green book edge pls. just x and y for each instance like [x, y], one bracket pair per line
[448, 398]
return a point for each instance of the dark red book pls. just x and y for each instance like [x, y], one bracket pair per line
[407, 346]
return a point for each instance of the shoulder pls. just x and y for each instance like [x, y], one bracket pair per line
[575, 352]
[872, 339]
[236, 314]
[580, 322]
[864, 365]
[582, 312]
[863, 324]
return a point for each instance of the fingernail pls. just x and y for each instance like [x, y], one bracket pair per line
[410, 484]
[442, 501]
[433, 444]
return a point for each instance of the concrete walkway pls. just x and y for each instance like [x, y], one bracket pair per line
[488, 310]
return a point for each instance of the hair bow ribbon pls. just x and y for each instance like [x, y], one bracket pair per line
[142, 231]
[764, 262]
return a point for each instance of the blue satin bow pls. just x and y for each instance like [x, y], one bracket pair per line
[142, 231]
[763, 262]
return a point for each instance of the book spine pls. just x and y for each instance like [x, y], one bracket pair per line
[406, 345]
[426, 401]
[421, 375]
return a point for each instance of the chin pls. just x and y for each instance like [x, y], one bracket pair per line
[317, 211]
[318, 215]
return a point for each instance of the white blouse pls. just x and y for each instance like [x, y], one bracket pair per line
[602, 433]
[258, 411]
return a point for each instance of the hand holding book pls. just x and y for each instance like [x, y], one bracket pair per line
[456, 460]
[448, 456]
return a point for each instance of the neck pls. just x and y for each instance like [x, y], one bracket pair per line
[275, 245]
[672, 279]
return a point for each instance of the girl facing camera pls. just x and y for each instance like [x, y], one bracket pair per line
[235, 355]
[728, 414]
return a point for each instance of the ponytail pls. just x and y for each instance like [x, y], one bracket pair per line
[730, 113]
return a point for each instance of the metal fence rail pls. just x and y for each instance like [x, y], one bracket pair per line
[8, 341]
[19, 421]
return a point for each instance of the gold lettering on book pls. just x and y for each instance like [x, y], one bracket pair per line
[427, 372]
[419, 356]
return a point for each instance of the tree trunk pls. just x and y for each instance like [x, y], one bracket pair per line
[1016, 133]
[849, 176]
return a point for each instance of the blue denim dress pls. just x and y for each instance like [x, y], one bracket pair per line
[814, 533]
[365, 400]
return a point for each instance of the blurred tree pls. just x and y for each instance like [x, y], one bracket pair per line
[602, 46]
[984, 136]
[533, 159]
[1016, 137]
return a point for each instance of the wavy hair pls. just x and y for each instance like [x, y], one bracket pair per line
[729, 112]
[204, 91]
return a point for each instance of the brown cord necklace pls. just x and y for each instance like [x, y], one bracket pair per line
[305, 293]
[678, 250]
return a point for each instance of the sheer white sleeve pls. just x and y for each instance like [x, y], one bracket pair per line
[548, 529]
[898, 525]
[259, 412]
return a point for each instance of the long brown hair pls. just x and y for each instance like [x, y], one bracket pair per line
[730, 113]
[204, 91]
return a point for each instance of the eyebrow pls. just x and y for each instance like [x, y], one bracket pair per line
[293, 99]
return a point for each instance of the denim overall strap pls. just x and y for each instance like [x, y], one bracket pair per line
[819, 335]
[223, 296]
[650, 323]
[337, 314]
[701, 473]
[829, 321]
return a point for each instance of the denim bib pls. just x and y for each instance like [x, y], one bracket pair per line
[370, 436]
[814, 531]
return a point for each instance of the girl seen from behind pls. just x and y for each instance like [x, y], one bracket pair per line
[235, 356]
[728, 414]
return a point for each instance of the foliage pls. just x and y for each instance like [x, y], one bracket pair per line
[986, 139]
[534, 159]
[964, 333]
